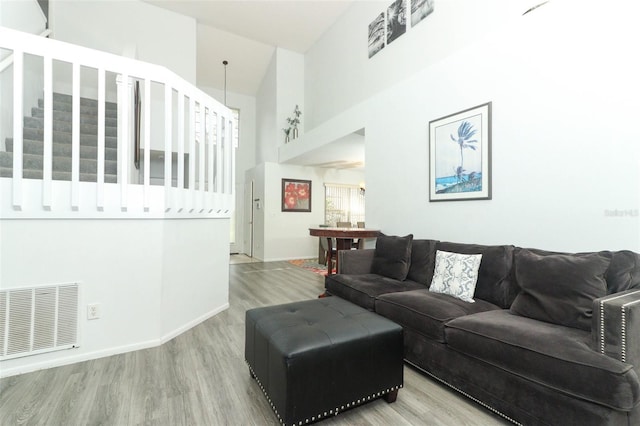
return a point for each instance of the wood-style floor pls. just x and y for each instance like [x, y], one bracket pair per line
[200, 377]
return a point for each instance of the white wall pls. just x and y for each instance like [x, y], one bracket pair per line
[564, 92]
[339, 73]
[282, 88]
[152, 278]
[23, 15]
[285, 235]
[266, 116]
[290, 89]
[157, 35]
[195, 272]
[245, 155]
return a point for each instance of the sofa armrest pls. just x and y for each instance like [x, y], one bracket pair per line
[615, 326]
[355, 261]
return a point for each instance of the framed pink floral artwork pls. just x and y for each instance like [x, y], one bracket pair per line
[296, 195]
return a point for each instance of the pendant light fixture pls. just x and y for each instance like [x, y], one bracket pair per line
[225, 63]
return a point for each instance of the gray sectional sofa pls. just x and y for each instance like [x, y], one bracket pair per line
[550, 338]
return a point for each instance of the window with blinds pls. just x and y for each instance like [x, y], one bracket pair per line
[343, 203]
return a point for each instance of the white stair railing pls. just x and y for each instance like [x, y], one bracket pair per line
[207, 189]
[6, 62]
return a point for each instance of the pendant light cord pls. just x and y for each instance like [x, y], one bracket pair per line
[225, 63]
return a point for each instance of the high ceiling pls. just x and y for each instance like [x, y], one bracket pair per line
[245, 33]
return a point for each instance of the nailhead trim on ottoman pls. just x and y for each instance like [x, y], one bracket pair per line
[317, 358]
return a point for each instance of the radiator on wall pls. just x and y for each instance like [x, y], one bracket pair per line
[38, 319]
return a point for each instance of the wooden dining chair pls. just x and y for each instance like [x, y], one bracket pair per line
[343, 224]
[360, 241]
[324, 243]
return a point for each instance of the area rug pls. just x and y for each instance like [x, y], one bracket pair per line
[310, 265]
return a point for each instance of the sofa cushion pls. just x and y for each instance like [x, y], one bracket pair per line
[494, 276]
[363, 289]
[392, 256]
[623, 273]
[426, 312]
[456, 274]
[423, 256]
[549, 354]
[560, 288]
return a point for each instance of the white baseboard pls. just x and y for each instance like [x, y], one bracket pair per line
[285, 259]
[178, 331]
[68, 356]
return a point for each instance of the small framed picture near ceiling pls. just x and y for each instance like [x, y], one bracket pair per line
[296, 195]
[396, 20]
[376, 35]
[460, 155]
[420, 9]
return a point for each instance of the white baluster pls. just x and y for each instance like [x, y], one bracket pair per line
[18, 82]
[210, 141]
[147, 143]
[192, 152]
[124, 111]
[219, 187]
[47, 149]
[202, 156]
[180, 160]
[75, 138]
[101, 139]
[168, 120]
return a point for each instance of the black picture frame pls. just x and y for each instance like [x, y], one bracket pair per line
[452, 176]
[296, 195]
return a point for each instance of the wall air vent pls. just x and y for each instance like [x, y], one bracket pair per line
[38, 319]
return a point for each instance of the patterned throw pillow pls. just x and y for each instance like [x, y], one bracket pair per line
[456, 274]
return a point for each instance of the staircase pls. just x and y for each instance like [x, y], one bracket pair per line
[59, 171]
[33, 137]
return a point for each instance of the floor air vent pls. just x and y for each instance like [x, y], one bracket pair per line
[38, 319]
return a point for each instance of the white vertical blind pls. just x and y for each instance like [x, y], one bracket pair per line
[343, 203]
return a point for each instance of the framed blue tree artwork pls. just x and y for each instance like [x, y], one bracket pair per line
[460, 155]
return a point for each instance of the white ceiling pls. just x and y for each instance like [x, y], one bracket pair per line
[246, 32]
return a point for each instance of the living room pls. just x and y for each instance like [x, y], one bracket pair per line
[564, 158]
[541, 96]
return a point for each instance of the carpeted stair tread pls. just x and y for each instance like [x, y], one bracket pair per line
[63, 149]
[33, 137]
[65, 137]
[37, 174]
[62, 98]
[61, 164]
[85, 109]
[68, 116]
[65, 126]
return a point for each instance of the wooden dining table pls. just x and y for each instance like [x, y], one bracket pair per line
[344, 239]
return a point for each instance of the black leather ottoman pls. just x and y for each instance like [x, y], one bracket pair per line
[317, 358]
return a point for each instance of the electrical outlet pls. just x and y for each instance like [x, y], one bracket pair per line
[93, 311]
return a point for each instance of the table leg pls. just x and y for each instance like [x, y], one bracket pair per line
[330, 257]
